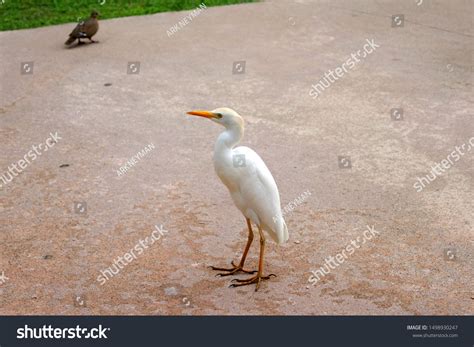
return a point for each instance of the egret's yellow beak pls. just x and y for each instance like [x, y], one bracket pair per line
[205, 114]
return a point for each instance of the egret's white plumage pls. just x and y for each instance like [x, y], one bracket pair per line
[250, 183]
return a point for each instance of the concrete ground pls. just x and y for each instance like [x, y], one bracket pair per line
[52, 251]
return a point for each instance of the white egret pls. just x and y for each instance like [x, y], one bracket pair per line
[251, 186]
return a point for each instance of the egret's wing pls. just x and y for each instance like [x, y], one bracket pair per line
[259, 190]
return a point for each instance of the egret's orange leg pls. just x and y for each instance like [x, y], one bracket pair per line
[258, 277]
[240, 267]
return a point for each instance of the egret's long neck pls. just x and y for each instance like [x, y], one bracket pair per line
[228, 139]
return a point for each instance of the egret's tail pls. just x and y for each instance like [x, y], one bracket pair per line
[279, 232]
[286, 235]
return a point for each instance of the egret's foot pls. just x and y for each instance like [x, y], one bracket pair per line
[233, 270]
[80, 43]
[93, 41]
[255, 279]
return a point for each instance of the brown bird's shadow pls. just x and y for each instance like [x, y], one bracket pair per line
[83, 44]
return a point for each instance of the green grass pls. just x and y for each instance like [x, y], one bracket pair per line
[21, 14]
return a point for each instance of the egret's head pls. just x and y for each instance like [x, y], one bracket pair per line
[223, 116]
[95, 14]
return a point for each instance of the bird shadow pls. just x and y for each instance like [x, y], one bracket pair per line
[83, 44]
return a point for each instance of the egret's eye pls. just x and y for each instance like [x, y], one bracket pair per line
[219, 115]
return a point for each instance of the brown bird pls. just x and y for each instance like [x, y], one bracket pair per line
[85, 30]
